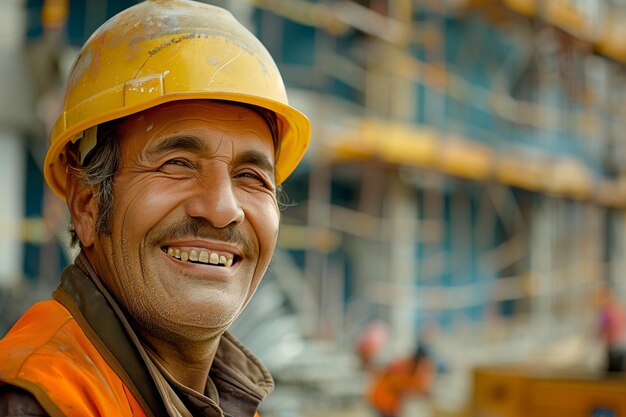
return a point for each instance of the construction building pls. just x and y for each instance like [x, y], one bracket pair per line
[467, 173]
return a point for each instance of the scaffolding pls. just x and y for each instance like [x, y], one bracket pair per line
[467, 171]
[467, 157]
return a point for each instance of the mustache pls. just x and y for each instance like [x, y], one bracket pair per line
[200, 229]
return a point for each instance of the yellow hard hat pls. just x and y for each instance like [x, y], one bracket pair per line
[164, 50]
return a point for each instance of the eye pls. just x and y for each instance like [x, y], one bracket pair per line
[178, 162]
[249, 175]
[252, 176]
[176, 166]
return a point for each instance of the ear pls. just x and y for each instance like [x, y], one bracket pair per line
[82, 203]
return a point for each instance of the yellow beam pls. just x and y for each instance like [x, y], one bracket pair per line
[566, 16]
[305, 237]
[527, 173]
[466, 159]
[525, 7]
[400, 143]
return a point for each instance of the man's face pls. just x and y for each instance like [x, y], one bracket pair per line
[195, 217]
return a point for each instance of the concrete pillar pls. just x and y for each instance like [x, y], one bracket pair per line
[401, 218]
[12, 163]
[16, 116]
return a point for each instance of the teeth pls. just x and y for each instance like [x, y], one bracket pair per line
[196, 255]
[215, 259]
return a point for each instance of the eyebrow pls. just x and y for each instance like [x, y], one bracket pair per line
[177, 142]
[195, 144]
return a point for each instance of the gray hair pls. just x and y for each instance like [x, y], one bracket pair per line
[98, 172]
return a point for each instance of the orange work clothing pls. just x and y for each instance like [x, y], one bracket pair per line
[58, 364]
[77, 355]
[399, 380]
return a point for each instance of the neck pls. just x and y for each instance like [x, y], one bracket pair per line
[186, 358]
[187, 362]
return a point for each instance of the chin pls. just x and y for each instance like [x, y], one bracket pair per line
[205, 317]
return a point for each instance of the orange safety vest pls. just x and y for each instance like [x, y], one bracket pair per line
[47, 354]
[390, 386]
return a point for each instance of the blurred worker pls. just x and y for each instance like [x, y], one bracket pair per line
[370, 341]
[612, 329]
[400, 380]
[175, 136]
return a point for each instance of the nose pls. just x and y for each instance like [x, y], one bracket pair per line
[215, 201]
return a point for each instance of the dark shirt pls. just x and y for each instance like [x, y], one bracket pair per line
[15, 402]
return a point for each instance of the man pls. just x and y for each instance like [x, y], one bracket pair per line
[398, 381]
[174, 139]
[611, 328]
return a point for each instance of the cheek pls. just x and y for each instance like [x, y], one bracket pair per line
[265, 220]
[261, 211]
[269, 233]
[146, 203]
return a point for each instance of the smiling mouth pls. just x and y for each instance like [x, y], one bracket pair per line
[200, 256]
